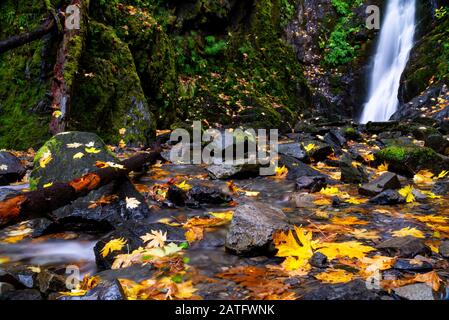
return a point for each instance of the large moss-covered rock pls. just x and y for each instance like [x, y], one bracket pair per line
[110, 96]
[56, 162]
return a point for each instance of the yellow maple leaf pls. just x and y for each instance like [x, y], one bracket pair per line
[329, 191]
[350, 249]
[113, 245]
[323, 202]
[155, 239]
[383, 167]
[352, 200]
[407, 193]
[45, 159]
[48, 185]
[57, 113]
[407, 231]
[194, 234]
[122, 131]
[348, 221]
[78, 155]
[442, 174]
[335, 276]
[423, 177]
[184, 186]
[281, 172]
[92, 150]
[368, 157]
[225, 215]
[430, 194]
[309, 147]
[365, 234]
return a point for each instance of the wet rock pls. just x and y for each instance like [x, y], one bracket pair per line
[404, 247]
[19, 276]
[412, 265]
[5, 287]
[63, 167]
[318, 260]
[27, 294]
[11, 169]
[205, 194]
[388, 197]
[352, 173]
[252, 227]
[293, 150]
[38, 226]
[444, 249]
[320, 151]
[298, 169]
[386, 181]
[226, 171]
[416, 291]
[131, 232]
[105, 290]
[311, 183]
[441, 187]
[176, 195]
[353, 290]
[335, 139]
[438, 142]
[302, 200]
[7, 193]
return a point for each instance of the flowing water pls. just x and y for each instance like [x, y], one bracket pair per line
[393, 50]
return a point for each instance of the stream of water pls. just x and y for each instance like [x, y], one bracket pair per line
[392, 54]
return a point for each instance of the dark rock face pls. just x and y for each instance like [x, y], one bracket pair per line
[415, 265]
[227, 171]
[63, 167]
[335, 139]
[404, 247]
[298, 169]
[312, 184]
[27, 294]
[441, 187]
[444, 249]
[24, 277]
[292, 149]
[354, 290]
[388, 197]
[318, 260]
[131, 232]
[416, 291]
[386, 181]
[252, 227]
[11, 170]
[320, 151]
[204, 194]
[351, 173]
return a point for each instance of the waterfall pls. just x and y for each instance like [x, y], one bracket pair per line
[393, 50]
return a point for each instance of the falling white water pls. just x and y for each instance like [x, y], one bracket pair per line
[393, 50]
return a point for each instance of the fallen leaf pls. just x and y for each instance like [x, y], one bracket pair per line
[350, 249]
[423, 177]
[348, 221]
[335, 276]
[407, 231]
[155, 238]
[132, 203]
[330, 191]
[92, 150]
[113, 245]
[45, 159]
[78, 155]
[407, 193]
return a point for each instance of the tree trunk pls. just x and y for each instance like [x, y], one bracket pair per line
[67, 64]
[45, 200]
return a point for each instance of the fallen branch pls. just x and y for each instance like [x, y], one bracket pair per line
[45, 200]
[24, 38]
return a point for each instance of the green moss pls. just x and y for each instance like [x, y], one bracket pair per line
[417, 155]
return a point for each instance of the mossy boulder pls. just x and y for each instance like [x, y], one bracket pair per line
[69, 155]
[109, 95]
[409, 159]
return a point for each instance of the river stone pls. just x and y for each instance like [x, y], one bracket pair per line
[298, 169]
[26, 294]
[335, 139]
[320, 151]
[416, 291]
[444, 249]
[388, 197]
[412, 265]
[353, 290]
[132, 231]
[441, 188]
[404, 247]
[11, 169]
[318, 260]
[388, 180]
[63, 167]
[252, 227]
[350, 173]
[292, 149]
[312, 184]
[226, 171]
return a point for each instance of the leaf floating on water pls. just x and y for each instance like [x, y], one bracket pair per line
[423, 177]
[113, 245]
[407, 231]
[225, 215]
[184, 186]
[365, 234]
[92, 150]
[281, 172]
[348, 221]
[350, 249]
[78, 155]
[330, 191]
[335, 276]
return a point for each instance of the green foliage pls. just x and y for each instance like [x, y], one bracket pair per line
[214, 47]
[288, 9]
[441, 12]
[339, 48]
